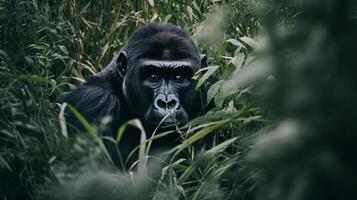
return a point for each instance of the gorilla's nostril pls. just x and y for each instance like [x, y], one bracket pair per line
[161, 104]
[172, 104]
[169, 102]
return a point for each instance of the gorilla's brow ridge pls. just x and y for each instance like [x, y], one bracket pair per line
[170, 64]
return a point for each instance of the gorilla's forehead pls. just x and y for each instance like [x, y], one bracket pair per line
[184, 64]
[166, 63]
[173, 49]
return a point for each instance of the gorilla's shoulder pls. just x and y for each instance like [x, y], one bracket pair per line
[95, 99]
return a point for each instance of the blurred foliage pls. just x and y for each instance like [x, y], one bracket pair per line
[284, 115]
[311, 154]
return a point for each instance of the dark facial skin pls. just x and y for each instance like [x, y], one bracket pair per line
[165, 80]
[163, 85]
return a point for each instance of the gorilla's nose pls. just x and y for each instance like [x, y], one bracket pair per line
[167, 102]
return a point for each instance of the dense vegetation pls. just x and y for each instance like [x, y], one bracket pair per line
[284, 118]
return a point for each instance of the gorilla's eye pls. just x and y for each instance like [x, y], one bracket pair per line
[178, 78]
[154, 77]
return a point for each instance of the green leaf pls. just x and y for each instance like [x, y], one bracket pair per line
[7, 59]
[91, 131]
[228, 70]
[35, 4]
[213, 90]
[142, 158]
[85, 8]
[197, 136]
[38, 79]
[250, 42]
[190, 12]
[5, 164]
[167, 18]
[238, 60]
[29, 61]
[186, 174]
[62, 120]
[236, 43]
[142, 146]
[210, 71]
[221, 146]
[208, 119]
[104, 51]
[217, 174]
[152, 3]
[218, 101]
[121, 132]
[63, 49]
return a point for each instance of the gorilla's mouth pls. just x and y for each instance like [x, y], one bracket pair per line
[166, 127]
[159, 121]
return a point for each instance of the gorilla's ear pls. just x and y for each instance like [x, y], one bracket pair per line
[121, 63]
[204, 61]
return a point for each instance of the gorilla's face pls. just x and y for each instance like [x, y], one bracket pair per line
[163, 91]
[171, 90]
[157, 66]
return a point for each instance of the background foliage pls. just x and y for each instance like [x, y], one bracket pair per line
[284, 117]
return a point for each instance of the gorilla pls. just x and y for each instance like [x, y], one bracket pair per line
[149, 79]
